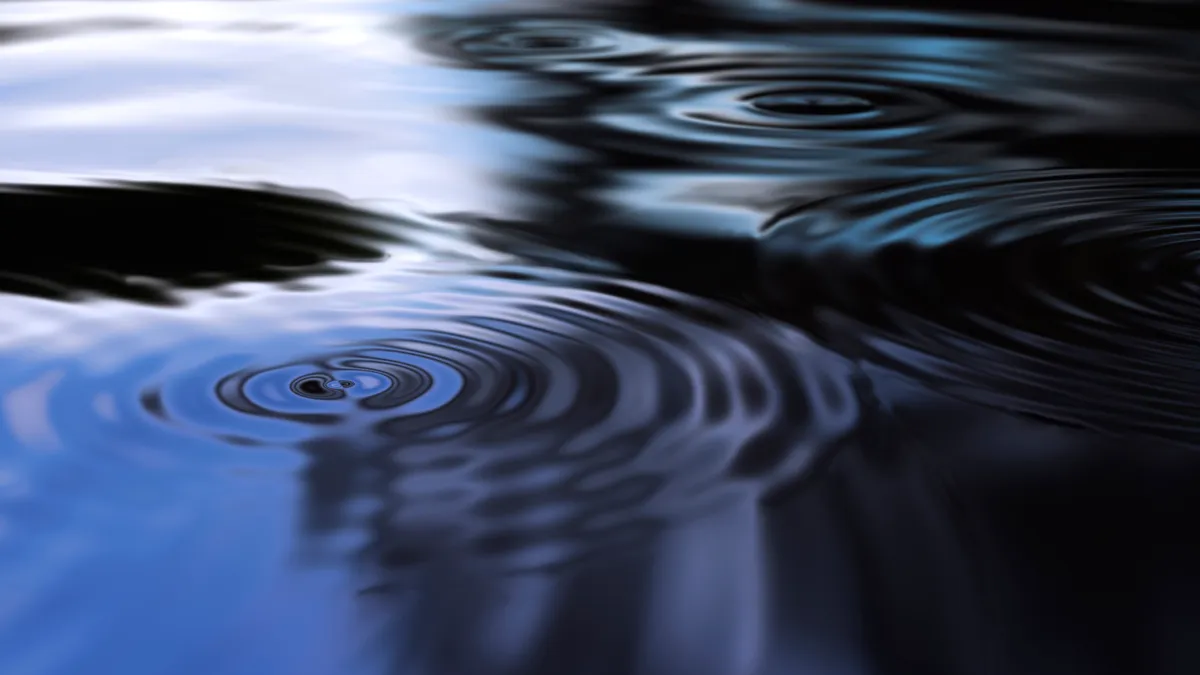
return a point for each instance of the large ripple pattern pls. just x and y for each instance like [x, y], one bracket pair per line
[519, 419]
[528, 422]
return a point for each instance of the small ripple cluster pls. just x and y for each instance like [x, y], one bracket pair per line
[783, 109]
[533, 42]
[1071, 294]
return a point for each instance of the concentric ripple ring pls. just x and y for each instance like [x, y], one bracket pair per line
[512, 414]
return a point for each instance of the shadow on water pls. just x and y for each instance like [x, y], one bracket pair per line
[147, 241]
[829, 340]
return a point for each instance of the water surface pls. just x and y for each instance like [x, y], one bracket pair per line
[718, 338]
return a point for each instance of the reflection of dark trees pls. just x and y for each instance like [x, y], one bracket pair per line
[1084, 571]
[947, 539]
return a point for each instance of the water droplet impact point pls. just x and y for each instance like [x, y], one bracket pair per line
[811, 103]
[545, 42]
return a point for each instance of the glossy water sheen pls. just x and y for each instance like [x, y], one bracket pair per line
[610, 337]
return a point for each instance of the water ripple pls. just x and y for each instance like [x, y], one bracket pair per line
[526, 416]
[1070, 294]
[841, 102]
[514, 418]
[535, 42]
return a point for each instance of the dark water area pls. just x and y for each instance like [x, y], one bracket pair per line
[753, 337]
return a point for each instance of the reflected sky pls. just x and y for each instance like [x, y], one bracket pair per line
[297, 93]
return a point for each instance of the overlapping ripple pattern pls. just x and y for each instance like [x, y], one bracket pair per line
[831, 97]
[1071, 294]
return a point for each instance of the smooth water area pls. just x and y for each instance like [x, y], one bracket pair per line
[736, 337]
